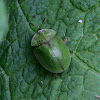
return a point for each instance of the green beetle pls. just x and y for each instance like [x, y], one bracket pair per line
[51, 51]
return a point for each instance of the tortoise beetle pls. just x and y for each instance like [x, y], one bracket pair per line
[51, 51]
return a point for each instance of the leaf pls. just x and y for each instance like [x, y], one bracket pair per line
[23, 78]
[3, 20]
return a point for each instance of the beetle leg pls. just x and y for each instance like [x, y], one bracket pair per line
[55, 75]
[65, 39]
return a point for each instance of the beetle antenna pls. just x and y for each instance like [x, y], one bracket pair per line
[41, 24]
[43, 20]
[33, 25]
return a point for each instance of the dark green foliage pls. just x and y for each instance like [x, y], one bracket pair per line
[23, 78]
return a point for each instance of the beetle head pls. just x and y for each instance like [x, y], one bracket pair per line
[42, 36]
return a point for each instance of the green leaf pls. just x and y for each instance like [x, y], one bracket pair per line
[3, 20]
[23, 78]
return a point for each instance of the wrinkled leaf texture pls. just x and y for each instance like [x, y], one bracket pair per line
[23, 78]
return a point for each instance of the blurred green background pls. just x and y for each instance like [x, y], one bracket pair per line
[3, 21]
